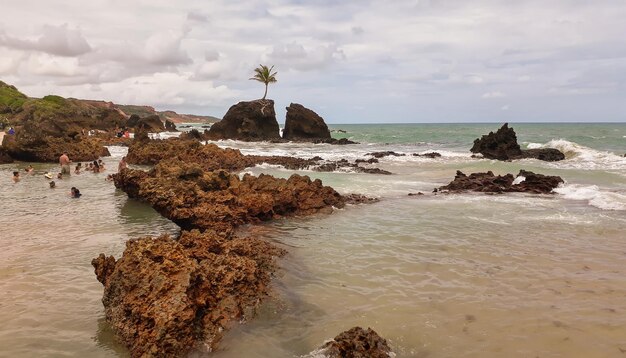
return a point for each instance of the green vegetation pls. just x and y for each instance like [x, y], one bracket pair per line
[264, 74]
[50, 106]
[11, 100]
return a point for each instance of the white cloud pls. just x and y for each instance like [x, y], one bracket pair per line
[55, 40]
[494, 94]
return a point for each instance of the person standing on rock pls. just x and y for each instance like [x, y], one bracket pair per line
[64, 162]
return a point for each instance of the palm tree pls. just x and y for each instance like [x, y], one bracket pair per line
[265, 75]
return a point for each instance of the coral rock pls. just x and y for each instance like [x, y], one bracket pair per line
[248, 121]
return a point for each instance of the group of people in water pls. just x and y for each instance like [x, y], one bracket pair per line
[97, 166]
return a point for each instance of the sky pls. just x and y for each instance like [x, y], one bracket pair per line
[351, 61]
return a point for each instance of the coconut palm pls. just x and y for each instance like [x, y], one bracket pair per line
[264, 74]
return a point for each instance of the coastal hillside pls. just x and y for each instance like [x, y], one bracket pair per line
[15, 106]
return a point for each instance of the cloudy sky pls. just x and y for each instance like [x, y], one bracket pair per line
[352, 61]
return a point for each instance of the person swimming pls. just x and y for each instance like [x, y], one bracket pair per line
[47, 175]
[96, 167]
[53, 184]
[16, 177]
[75, 193]
[60, 176]
[77, 168]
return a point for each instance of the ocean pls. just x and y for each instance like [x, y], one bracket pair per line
[462, 275]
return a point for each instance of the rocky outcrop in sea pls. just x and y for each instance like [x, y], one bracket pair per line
[356, 343]
[502, 145]
[523, 182]
[248, 121]
[303, 124]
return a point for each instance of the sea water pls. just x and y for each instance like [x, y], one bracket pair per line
[462, 275]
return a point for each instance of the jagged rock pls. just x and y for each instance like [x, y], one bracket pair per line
[419, 193]
[194, 198]
[546, 154]
[248, 121]
[302, 124]
[503, 145]
[428, 155]
[385, 154]
[490, 183]
[170, 126]
[30, 147]
[165, 297]
[356, 343]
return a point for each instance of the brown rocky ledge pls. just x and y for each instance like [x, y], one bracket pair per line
[211, 157]
[165, 297]
[490, 183]
[356, 343]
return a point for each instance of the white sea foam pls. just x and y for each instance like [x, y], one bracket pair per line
[601, 199]
[580, 157]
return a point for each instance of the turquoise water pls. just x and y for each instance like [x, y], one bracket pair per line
[464, 275]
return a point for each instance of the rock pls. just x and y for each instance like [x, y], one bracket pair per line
[368, 161]
[356, 343]
[546, 154]
[248, 121]
[335, 141]
[165, 297]
[338, 131]
[419, 193]
[503, 145]
[31, 147]
[170, 126]
[150, 124]
[302, 124]
[385, 154]
[428, 155]
[46, 127]
[490, 183]
[194, 198]
[5, 158]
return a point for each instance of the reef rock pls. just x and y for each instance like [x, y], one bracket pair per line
[525, 181]
[385, 154]
[165, 297]
[431, 155]
[545, 154]
[248, 121]
[195, 198]
[356, 343]
[302, 124]
[503, 145]
[31, 147]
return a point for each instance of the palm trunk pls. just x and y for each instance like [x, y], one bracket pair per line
[265, 94]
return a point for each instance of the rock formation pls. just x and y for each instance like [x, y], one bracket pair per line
[211, 157]
[170, 126]
[151, 124]
[46, 127]
[302, 124]
[194, 198]
[356, 343]
[431, 155]
[5, 158]
[503, 145]
[385, 154]
[524, 182]
[248, 121]
[164, 297]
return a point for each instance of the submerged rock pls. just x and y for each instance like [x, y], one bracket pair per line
[385, 154]
[302, 124]
[524, 182]
[165, 297]
[248, 121]
[503, 145]
[428, 155]
[356, 343]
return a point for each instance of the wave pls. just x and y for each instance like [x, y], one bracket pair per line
[605, 200]
[578, 156]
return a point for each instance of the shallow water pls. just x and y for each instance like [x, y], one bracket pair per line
[438, 275]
